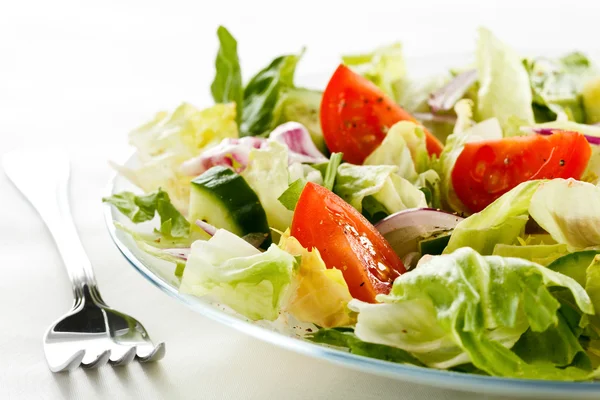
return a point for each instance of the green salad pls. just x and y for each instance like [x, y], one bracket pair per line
[449, 222]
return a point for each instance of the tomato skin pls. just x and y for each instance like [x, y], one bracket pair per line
[347, 241]
[356, 115]
[486, 170]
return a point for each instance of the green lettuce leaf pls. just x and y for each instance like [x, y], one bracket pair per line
[464, 307]
[228, 268]
[267, 174]
[262, 93]
[346, 338]
[142, 208]
[228, 86]
[354, 183]
[542, 254]
[569, 210]
[557, 85]
[504, 89]
[164, 143]
[385, 67]
[501, 222]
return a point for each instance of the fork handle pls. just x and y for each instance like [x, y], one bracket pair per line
[57, 216]
[48, 193]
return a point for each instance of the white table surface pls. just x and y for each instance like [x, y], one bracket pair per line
[82, 74]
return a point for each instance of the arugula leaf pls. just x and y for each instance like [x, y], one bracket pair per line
[142, 208]
[290, 197]
[227, 86]
[262, 92]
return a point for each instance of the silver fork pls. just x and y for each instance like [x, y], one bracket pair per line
[91, 333]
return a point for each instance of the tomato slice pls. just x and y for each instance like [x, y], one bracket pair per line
[356, 115]
[347, 241]
[486, 170]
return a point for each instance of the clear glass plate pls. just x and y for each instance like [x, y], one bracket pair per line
[287, 334]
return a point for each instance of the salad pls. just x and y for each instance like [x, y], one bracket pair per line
[451, 222]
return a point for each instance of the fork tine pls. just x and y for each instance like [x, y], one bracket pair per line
[69, 364]
[99, 361]
[156, 354]
[125, 359]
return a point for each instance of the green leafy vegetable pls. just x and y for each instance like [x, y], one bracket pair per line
[141, 208]
[500, 222]
[569, 210]
[354, 183]
[542, 254]
[227, 85]
[504, 89]
[464, 307]
[557, 85]
[262, 93]
[347, 338]
[267, 174]
[384, 67]
[164, 143]
[235, 272]
[290, 197]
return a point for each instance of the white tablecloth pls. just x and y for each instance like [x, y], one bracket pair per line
[82, 74]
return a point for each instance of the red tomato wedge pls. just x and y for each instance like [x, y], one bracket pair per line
[356, 115]
[486, 170]
[347, 241]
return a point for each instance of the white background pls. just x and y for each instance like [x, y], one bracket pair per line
[82, 74]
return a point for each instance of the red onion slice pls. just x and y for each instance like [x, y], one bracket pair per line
[182, 253]
[206, 227]
[446, 97]
[549, 131]
[404, 229]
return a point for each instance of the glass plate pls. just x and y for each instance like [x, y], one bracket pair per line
[287, 334]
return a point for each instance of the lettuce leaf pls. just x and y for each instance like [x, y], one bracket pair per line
[557, 86]
[346, 338]
[267, 174]
[227, 85]
[465, 307]
[319, 295]
[354, 183]
[227, 267]
[542, 254]
[569, 210]
[501, 222]
[504, 89]
[385, 67]
[164, 143]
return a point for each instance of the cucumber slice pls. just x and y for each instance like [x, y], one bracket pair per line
[223, 199]
[435, 244]
[574, 264]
